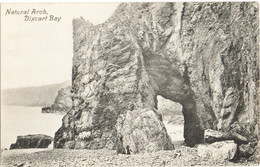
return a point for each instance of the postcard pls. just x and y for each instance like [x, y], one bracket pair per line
[130, 84]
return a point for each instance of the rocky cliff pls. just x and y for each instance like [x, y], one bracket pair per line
[32, 96]
[62, 103]
[201, 55]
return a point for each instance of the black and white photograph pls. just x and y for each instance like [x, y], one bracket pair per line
[130, 84]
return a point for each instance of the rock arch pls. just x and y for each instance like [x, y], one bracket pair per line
[171, 84]
[168, 49]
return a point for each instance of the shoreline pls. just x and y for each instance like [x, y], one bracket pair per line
[181, 156]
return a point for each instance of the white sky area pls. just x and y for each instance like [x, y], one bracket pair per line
[40, 53]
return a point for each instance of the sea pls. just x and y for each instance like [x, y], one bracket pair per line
[21, 120]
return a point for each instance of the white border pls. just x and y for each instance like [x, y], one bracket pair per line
[71, 1]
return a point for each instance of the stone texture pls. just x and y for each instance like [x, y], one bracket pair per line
[201, 55]
[211, 136]
[62, 103]
[218, 151]
[32, 141]
[246, 150]
[171, 111]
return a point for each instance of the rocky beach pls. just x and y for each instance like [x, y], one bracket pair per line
[182, 156]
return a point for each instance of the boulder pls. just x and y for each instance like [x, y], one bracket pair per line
[218, 151]
[32, 141]
[256, 155]
[211, 136]
[46, 109]
[246, 150]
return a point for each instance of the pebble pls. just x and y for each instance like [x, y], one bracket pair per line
[183, 156]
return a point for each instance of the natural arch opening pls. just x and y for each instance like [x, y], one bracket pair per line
[170, 83]
[172, 118]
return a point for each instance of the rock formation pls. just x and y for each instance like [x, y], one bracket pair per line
[201, 55]
[32, 141]
[218, 151]
[211, 136]
[62, 103]
[171, 111]
[32, 96]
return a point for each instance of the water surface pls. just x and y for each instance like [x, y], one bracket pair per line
[20, 120]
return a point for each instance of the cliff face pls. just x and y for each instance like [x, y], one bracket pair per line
[201, 55]
[62, 103]
[32, 96]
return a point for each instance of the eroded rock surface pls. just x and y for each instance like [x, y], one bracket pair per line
[211, 136]
[171, 111]
[219, 151]
[32, 141]
[62, 103]
[201, 55]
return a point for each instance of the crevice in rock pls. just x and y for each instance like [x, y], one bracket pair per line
[207, 51]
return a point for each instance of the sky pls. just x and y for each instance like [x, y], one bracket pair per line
[40, 52]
